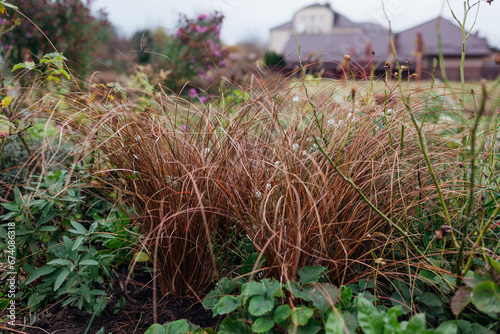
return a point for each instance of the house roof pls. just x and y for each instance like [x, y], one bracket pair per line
[451, 37]
[333, 47]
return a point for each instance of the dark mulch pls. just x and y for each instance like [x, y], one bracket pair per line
[133, 317]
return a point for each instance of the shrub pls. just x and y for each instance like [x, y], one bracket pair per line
[274, 60]
[67, 23]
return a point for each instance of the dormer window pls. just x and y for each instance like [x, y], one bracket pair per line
[312, 25]
[302, 26]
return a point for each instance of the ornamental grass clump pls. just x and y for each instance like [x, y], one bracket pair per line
[200, 177]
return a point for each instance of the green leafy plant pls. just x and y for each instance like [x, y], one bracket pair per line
[54, 246]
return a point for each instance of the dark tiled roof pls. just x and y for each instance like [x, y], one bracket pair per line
[333, 47]
[288, 25]
[451, 37]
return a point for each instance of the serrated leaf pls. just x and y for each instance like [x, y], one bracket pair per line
[416, 323]
[45, 270]
[282, 313]
[486, 297]
[226, 305]
[312, 327]
[181, 326]
[324, 296]
[156, 329]
[262, 325]
[430, 299]
[253, 288]
[60, 278]
[233, 325]
[461, 299]
[311, 274]
[449, 327]
[301, 315]
[334, 323]
[260, 305]
[369, 317]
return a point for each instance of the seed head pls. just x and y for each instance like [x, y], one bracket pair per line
[347, 57]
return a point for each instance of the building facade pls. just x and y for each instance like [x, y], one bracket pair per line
[326, 36]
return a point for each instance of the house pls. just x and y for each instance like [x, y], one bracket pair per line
[326, 36]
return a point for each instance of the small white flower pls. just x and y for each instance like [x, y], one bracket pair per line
[295, 99]
[138, 137]
[309, 139]
[277, 163]
[340, 122]
[206, 151]
[258, 194]
[268, 186]
[295, 147]
[349, 115]
[389, 112]
[314, 147]
[331, 121]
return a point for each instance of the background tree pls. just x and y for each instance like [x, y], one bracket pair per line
[69, 24]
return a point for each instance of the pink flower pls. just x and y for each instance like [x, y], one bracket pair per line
[183, 128]
[202, 16]
[179, 32]
[203, 99]
[201, 74]
[222, 63]
[193, 93]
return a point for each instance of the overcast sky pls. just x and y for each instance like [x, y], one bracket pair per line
[252, 19]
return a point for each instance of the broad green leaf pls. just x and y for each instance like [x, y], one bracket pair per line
[253, 288]
[85, 291]
[334, 323]
[416, 324]
[27, 64]
[181, 326]
[312, 327]
[486, 297]
[370, 320]
[260, 305]
[79, 229]
[273, 288]
[141, 257]
[262, 325]
[60, 278]
[45, 270]
[78, 242]
[449, 327]
[61, 262]
[301, 315]
[233, 325]
[311, 274]
[18, 196]
[88, 263]
[494, 264]
[430, 299]
[156, 329]
[324, 296]
[11, 206]
[281, 313]
[226, 305]
[48, 229]
[461, 299]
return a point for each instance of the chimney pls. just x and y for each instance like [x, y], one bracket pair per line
[327, 5]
